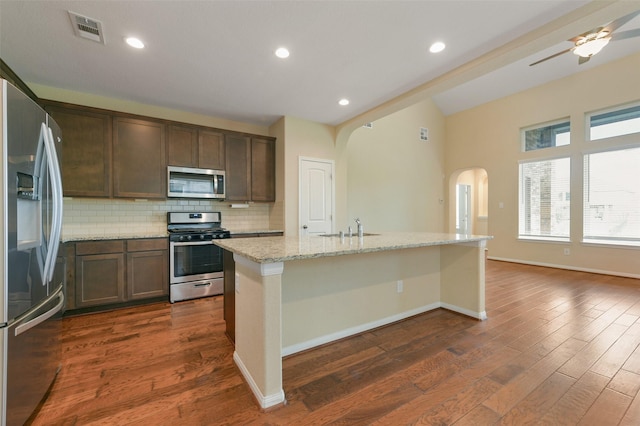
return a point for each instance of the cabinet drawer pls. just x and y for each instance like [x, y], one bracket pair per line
[147, 244]
[99, 247]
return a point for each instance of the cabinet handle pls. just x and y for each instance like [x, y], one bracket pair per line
[202, 285]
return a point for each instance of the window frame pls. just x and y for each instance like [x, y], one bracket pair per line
[589, 115]
[524, 130]
[604, 241]
[543, 238]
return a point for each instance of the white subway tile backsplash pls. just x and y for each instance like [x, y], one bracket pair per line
[87, 217]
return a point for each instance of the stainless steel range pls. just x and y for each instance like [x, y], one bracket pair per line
[195, 263]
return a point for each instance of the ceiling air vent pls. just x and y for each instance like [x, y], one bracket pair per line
[88, 28]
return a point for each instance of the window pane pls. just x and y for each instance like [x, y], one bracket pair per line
[616, 123]
[545, 198]
[546, 137]
[612, 195]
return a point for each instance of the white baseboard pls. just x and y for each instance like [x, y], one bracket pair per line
[298, 347]
[265, 401]
[477, 315]
[566, 267]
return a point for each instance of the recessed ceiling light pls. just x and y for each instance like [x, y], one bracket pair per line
[134, 42]
[436, 47]
[344, 102]
[282, 52]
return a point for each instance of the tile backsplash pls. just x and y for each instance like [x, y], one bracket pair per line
[92, 217]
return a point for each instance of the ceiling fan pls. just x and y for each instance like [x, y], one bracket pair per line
[588, 44]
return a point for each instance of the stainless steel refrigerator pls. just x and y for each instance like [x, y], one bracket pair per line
[32, 297]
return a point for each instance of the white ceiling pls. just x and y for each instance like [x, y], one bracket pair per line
[216, 57]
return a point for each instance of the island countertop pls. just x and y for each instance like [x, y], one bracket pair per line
[282, 249]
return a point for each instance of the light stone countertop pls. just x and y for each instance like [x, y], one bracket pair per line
[282, 249]
[132, 236]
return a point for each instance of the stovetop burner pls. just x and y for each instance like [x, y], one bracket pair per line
[195, 226]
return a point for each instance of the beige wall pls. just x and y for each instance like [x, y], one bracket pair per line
[304, 138]
[386, 175]
[395, 180]
[488, 136]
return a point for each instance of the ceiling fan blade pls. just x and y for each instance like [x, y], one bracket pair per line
[614, 25]
[583, 59]
[552, 56]
[626, 34]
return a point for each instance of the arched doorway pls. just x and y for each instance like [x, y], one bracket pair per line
[468, 201]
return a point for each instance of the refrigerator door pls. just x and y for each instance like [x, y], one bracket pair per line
[27, 198]
[33, 357]
[32, 296]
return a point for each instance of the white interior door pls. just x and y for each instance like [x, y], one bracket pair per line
[316, 196]
[463, 212]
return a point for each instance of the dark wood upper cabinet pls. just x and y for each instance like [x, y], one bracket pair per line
[263, 169]
[86, 151]
[238, 168]
[182, 146]
[139, 158]
[211, 150]
[250, 169]
[114, 154]
[193, 147]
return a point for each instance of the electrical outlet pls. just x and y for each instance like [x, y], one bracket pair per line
[567, 252]
[399, 286]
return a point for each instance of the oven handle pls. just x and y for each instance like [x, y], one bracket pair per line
[207, 284]
[191, 243]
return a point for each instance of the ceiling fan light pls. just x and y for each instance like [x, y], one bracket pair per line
[591, 47]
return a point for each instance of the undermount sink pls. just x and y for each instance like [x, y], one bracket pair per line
[366, 234]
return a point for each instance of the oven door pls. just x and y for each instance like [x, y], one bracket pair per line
[194, 261]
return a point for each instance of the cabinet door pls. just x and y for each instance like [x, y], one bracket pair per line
[99, 279]
[147, 274]
[182, 146]
[263, 170]
[211, 152]
[238, 168]
[86, 151]
[139, 159]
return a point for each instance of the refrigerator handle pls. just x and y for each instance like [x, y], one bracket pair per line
[56, 189]
[22, 328]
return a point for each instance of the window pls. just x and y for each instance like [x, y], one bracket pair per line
[615, 123]
[550, 135]
[545, 199]
[612, 197]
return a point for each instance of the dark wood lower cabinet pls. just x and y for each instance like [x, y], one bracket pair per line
[147, 274]
[229, 300]
[118, 271]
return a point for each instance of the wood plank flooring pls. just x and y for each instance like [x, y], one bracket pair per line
[559, 348]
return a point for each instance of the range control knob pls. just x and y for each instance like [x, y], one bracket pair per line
[202, 237]
[188, 237]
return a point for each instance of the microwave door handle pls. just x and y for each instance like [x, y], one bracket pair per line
[215, 184]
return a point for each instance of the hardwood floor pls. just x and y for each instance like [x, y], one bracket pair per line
[559, 348]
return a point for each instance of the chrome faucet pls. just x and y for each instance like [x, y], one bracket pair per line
[360, 228]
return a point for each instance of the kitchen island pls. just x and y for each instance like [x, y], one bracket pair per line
[295, 293]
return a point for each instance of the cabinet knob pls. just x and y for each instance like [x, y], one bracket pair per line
[304, 226]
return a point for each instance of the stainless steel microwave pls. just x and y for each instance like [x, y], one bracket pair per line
[187, 182]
